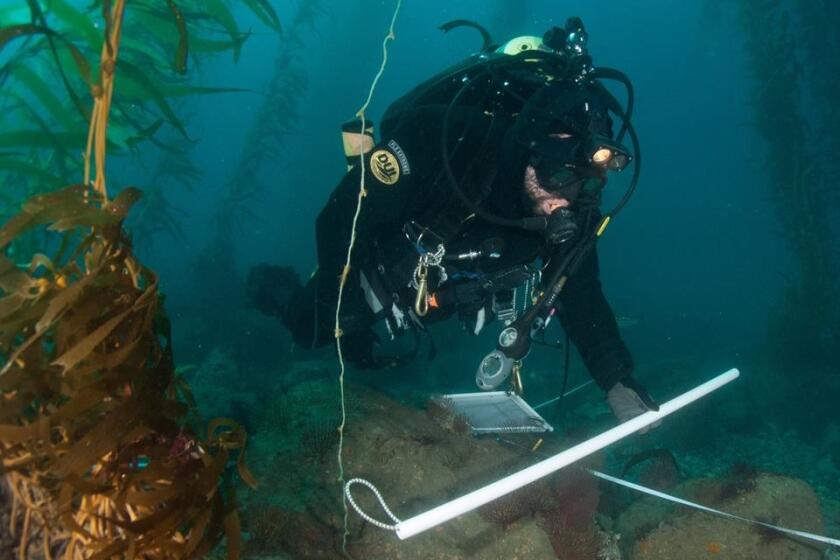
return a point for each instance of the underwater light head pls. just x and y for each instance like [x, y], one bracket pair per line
[606, 154]
[571, 39]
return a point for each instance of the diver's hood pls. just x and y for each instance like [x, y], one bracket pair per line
[562, 107]
[554, 127]
[560, 115]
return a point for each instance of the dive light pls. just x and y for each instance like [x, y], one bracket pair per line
[607, 154]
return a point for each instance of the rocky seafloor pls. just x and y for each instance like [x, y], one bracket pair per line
[420, 457]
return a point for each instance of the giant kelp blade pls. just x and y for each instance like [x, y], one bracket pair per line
[12, 32]
[136, 75]
[147, 54]
[37, 139]
[183, 44]
[34, 9]
[263, 10]
[201, 45]
[233, 534]
[87, 216]
[185, 90]
[35, 173]
[144, 134]
[21, 30]
[83, 348]
[80, 22]
[25, 75]
[219, 12]
[81, 63]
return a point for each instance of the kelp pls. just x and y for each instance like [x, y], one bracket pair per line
[89, 422]
[798, 176]
[93, 439]
[155, 215]
[271, 125]
[275, 119]
[51, 80]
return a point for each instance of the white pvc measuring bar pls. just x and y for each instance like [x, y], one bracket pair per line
[477, 498]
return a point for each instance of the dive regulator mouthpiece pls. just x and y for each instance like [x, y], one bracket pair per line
[562, 226]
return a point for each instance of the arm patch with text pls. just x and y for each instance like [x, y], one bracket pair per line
[387, 165]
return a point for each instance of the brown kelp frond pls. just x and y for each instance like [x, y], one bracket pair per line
[93, 438]
[86, 422]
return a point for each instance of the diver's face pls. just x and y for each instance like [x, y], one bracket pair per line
[543, 202]
[550, 183]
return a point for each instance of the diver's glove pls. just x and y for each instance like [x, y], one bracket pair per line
[629, 399]
[357, 348]
[271, 288]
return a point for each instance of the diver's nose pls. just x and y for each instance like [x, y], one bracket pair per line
[556, 203]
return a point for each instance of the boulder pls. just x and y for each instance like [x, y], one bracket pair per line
[417, 459]
[658, 531]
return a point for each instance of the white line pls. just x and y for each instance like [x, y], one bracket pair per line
[670, 498]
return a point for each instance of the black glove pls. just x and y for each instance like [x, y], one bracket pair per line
[357, 348]
[271, 288]
[629, 399]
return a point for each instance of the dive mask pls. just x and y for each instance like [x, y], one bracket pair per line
[567, 130]
[567, 180]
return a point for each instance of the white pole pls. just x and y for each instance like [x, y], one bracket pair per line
[477, 498]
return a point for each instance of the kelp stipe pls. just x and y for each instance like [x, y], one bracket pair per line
[799, 184]
[49, 81]
[274, 121]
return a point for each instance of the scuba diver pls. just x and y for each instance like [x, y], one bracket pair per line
[481, 201]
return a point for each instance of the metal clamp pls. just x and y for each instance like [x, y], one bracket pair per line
[420, 279]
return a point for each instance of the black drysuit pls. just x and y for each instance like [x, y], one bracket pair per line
[405, 183]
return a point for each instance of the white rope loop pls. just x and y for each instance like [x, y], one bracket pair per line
[382, 503]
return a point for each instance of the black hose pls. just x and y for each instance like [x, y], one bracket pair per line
[523, 223]
[618, 76]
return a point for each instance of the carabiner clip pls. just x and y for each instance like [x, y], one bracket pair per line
[421, 302]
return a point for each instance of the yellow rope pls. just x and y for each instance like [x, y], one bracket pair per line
[346, 270]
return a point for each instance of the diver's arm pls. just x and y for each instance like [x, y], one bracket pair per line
[399, 179]
[592, 327]
[387, 189]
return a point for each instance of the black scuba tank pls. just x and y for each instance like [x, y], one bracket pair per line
[437, 90]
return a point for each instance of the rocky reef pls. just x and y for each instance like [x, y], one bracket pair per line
[418, 459]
